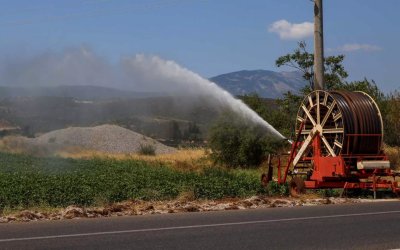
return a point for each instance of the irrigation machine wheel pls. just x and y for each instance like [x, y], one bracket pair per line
[297, 186]
[320, 109]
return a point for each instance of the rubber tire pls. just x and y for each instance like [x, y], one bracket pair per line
[297, 187]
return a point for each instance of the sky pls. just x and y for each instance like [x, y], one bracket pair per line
[209, 37]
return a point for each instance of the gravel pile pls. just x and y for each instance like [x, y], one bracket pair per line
[104, 138]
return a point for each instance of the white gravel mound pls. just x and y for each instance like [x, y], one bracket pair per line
[104, 138]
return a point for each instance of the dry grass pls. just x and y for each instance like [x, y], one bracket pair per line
[186, 196]
[44, 209]
[11, 144]
[183, 159]
[19, 145]
[310, 195]
[180, 155]
[394, 156]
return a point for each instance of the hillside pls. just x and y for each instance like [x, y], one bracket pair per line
[265, 83]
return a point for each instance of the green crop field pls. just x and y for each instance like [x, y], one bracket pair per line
[27, 181]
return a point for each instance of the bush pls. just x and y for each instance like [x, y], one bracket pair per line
[274, 188]
[147, 149]
[394, 156]
[334, 192]
[391, 118]
[236, 143]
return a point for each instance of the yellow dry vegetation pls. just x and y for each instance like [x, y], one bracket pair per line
[8, 144]
[184, 159]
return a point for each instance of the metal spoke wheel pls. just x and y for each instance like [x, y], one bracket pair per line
[346, 122]
[320, 111]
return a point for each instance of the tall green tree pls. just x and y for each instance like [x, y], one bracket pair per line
[303, 61]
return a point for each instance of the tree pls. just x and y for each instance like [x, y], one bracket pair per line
[236, 143]
[176, 131]
[366, 86]
[303, 61]
[192, 132]
[391, 118]
[257, 104]
[281, 114]
[288, 107]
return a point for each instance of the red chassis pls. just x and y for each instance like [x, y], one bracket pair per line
[339, 171]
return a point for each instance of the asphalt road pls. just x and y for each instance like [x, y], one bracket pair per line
[351, 226]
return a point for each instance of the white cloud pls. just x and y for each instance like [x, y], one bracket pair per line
[292, 31]
[356, 47]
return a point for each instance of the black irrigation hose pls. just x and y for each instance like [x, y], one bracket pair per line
[360, 116]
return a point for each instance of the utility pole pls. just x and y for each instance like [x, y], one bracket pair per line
[319, 83]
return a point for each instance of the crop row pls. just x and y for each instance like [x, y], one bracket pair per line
[27, 181]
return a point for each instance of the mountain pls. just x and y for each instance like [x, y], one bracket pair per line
[76, 92]
[265, 83]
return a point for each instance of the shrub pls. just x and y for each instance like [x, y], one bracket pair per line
[147, 149]
[52, 140]
[234, 142]
[391, 118]
[394, 156]
[274, 188]
[334, 192]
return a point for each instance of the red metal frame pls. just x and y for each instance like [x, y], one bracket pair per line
[291, 157]
[340, 171]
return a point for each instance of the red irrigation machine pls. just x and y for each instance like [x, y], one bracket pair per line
[339, 137]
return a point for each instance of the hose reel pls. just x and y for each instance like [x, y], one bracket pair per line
[347, 122]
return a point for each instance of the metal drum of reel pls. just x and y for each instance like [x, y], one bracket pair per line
[339, 116]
